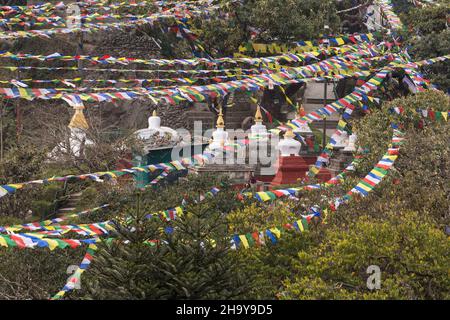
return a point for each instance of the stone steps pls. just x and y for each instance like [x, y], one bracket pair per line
[70, 204]
[64, 211]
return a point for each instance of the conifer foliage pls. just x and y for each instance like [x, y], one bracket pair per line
[188, 258]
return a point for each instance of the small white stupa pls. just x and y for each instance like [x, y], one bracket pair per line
[77, 141]
[219, 136]
[341, 140]
[351, 147]
[303, 127]
[258, 130]
[154, 126]
[289, 146]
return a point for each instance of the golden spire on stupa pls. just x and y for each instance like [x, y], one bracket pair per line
[154, 113]
[78, 120]
[220, 123]
[258, 115]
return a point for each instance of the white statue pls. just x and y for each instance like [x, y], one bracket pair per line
[289, 146]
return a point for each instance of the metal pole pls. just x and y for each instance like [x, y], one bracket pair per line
[324, 121]
[80, 45]
[325, 89]
[18, 109]
[1, 132]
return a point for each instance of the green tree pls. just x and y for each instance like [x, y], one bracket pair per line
[281, 20]
[191, 258]
[427, 36]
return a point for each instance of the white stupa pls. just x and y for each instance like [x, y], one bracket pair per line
[303, 127]
[289, 146]
[258, 130]
[341, 140]
[219, 136]
[351, 147]
[154, 126]
[77, 141]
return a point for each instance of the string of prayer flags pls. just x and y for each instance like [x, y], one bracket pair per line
[31, 241]
[173, 213]
[35, 241]
[387, 9]
[108, 59]
[75, 279]
[86, 27]
[201, 93]
[270, 235]
[92, 229]
[33, 226]
[303, 46]
[358, 94]
[380, 170]
[424, 113]
[271, 195]
[198, 159]
[49, 7]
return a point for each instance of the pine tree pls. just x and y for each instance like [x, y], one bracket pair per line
[190, 259]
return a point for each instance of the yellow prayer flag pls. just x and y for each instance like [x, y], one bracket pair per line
[391, 157]
[314, 170]
[276, 232]
[363, 186]
[293, 126]
[3, 242]
[52, 244]
[277, 48]
[259, 47]
[263, 196]
[325, 215]
[342, 123]
[376, 173]
[16, 185]
[300, 225]
[244, 241]
[179, 211]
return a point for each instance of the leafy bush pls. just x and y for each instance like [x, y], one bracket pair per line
[34, 274]
[411, 253]
[42, 208]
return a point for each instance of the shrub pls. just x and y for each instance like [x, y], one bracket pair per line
[411, 252]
